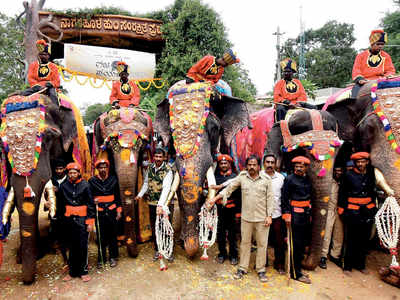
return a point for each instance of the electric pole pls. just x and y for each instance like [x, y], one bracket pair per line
[278, 50]
[302, 62]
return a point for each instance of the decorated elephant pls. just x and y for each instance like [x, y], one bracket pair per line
[313, 134]
[372, 123]
[199, 123]
[33, 132]
[123, 135]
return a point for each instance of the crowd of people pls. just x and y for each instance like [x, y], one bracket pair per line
[268, 198]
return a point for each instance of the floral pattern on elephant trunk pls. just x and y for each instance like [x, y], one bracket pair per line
[189, 109]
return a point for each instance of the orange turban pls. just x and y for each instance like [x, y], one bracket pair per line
[301, 160]
[377, 36]
[102, 161]
[224, 157]
[359, 155]
[74, 166]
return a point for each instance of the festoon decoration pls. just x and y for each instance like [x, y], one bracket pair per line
[387, 222]
[321, 143]
[207, 228]
[164, 239]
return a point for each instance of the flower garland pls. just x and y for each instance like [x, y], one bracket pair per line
[9, 107]
[310, 146]
[385, 122]
[137, 135]
[196, 87]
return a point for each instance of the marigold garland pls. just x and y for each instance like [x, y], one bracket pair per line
[385, 122]
[310, 146]
[197, 87]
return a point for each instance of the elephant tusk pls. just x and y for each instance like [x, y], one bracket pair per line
[211, 181]
[8, 206]
[174, 187]
[51, 197]
[382, 183]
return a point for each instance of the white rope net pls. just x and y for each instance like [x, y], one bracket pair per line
[164, 239]
[208, 228]
[387, 222]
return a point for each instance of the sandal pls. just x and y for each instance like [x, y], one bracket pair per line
[85, 278]
[67, 278]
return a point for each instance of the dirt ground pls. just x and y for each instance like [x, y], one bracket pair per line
[140, 278]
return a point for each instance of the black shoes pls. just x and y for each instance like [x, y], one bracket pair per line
[239, 274]
[262, 277]
[336, 261]
[113, 263]
[220, 258]
[322, 263]
[234, 261]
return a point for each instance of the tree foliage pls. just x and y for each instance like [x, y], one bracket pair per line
[11, 55]
[93, 112]
[329, 54]
[391, 25]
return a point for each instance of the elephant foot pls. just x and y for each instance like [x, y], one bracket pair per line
[391, 276]
[191, 246]
[132, 250]
[18, 258]
[29, 281]
[310, 263]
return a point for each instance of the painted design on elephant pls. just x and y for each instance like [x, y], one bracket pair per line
[189, 109]
[384, 96]
[28, 208]
[23, 124]
[25, 233]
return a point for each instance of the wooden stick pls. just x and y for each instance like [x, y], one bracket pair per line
[289, 241]
[38, 92]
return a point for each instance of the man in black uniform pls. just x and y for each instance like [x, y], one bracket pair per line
[105, 191]
[357, 207]
[296, 211]
[77, 202]
[227, 213]
[56, 233]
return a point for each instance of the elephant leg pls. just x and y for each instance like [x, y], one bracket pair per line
[130, 227]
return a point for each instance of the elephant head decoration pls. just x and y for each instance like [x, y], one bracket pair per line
[33, 132]
[125, 133]
[313, 134]
[195, 121]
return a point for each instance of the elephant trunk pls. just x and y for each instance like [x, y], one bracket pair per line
[320, 198]
[127, 178]
[28, 211]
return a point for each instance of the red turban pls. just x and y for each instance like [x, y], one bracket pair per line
[301, 159]
[102, 161]
[74, 166]
[359, 155]
[224, 157]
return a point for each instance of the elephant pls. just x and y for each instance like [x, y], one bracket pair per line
[124, 134]
[197, 122]
[319, 171]
[370, 122]
[34, 131]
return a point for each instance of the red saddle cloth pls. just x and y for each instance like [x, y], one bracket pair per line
[252, 141]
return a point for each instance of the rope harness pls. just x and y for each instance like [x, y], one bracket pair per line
[208, 228]
[164, 239]
[387, 222]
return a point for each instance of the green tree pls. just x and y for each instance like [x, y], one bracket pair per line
[192, 30]
[329, 54]
[391, 25]
[93, 112]
[11, 53]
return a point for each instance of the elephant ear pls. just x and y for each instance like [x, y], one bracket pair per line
[161, 122]
[235, 117]
[68, 128]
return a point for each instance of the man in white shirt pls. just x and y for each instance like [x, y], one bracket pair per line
[277, 227]
[156, 187]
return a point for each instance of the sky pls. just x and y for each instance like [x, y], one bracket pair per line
[250, 25]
